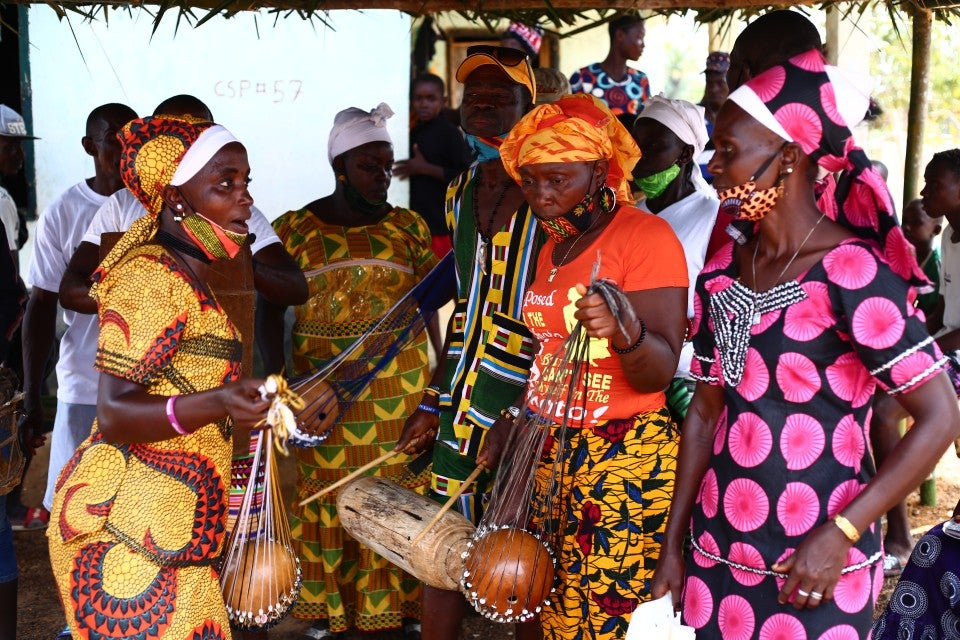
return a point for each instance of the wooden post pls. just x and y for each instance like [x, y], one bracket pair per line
[919, 92]
[833, 35]
[714, 39]
[928, 491]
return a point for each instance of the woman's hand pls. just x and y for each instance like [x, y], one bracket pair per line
[669, 574]
[242, 402]
[30, 430]
[599, 321]
[419, 432]
[814, 568]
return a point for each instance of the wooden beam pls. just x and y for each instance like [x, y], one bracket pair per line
[420, 7]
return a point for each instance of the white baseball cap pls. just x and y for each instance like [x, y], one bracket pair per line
[12, 124]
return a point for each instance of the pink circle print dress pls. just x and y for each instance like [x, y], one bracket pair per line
[798, 365]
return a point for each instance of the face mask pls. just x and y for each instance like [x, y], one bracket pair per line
[484, 149]
[216, 242]
[654, 185]
[579, 218]
[358, 203]
[746, 202]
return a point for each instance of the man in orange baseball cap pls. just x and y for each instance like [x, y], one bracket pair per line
[466, 413]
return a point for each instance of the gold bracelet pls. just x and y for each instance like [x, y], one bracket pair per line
[432, 391]
[847, 527]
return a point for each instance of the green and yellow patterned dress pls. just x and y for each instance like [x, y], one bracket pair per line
[136, 529]
[355, 275]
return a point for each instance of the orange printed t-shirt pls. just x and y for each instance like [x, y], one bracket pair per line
[638, 251]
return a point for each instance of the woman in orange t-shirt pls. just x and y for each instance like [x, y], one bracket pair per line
[572, 159]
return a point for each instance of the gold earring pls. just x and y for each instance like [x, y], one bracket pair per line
[781, 191]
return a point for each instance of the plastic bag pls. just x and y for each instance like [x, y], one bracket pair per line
[656, 620]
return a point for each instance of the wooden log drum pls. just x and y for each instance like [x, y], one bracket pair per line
[386, 517]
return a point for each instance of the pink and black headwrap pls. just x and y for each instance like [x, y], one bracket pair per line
[807, 102]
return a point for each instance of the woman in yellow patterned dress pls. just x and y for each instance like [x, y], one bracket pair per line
[360, 255]
[140, 510]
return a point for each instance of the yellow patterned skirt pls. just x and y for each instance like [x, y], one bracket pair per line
[345, 582]
[612, 499]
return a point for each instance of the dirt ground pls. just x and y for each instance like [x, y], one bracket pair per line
[40, 617]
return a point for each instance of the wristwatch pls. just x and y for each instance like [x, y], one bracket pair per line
[510, 412]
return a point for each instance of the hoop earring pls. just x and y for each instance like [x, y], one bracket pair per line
[608, 198]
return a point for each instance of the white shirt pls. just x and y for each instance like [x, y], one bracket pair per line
[122, 208]
[950, 281]
[692, 219]
[9, 217]
[58, 234]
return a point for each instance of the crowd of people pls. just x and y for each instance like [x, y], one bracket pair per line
[734, 443]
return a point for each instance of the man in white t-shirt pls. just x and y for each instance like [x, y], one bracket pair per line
[59, 230]
[671, 134]
[276, 275]
[13, 131]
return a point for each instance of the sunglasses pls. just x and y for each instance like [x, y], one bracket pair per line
[504, 55]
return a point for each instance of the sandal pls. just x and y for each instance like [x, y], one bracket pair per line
[891, 566]
[411, 629]
[36, 518]
[321, 631]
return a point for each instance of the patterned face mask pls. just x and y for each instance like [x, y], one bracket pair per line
[216, 242]
[745, 201]
[580, 218]
[572, 223]
[654, 185]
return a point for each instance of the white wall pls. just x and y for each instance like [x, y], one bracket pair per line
[276, 86]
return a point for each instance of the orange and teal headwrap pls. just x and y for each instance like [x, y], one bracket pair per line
[152, 149]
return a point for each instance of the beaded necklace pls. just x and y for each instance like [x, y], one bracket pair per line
[486, 235]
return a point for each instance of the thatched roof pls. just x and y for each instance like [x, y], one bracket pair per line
[550, 13]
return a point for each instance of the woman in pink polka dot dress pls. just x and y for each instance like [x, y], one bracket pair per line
[793, 332]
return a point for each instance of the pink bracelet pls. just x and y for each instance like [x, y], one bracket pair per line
[172, 417]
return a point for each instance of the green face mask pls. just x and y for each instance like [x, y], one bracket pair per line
[654, 185]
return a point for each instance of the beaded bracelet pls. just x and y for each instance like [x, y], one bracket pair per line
[640, 339]
[172, 416]
[425, 407]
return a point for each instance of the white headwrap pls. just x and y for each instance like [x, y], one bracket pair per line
[354, 127]
[200, 152]
[686, 121]
[683, 118]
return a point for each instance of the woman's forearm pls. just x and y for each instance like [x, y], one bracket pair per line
[936, 424]
[696, 449]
